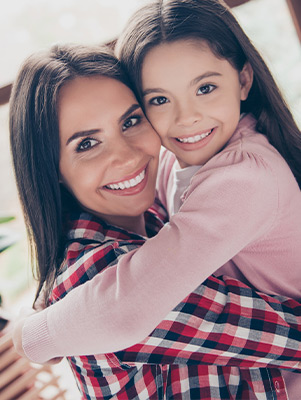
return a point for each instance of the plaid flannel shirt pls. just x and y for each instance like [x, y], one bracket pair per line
[223, 341]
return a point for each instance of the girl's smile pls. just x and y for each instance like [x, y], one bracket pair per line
[192, 101]
[194, 142]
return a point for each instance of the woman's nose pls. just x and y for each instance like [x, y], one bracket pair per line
[125, 153]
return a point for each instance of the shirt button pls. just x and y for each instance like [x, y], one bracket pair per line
[277, 386]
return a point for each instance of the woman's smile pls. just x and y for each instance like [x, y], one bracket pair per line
[129, 185]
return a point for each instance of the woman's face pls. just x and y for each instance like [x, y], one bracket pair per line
[108, 150]
[192, 98]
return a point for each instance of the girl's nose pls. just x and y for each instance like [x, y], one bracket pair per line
[187, 114]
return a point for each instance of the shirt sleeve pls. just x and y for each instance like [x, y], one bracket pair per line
[121, 306]
[224, 322]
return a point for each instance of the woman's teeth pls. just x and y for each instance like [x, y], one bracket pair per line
[194, 139]
[127, 184]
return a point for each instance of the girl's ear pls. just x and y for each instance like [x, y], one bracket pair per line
[246, 80]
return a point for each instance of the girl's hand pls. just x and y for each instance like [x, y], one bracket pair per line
[17, 334]
[17, 330]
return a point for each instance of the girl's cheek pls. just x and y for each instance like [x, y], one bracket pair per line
[160, 125]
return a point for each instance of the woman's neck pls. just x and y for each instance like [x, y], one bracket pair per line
[133, 224]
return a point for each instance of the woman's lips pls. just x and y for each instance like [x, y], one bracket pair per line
[132, 185]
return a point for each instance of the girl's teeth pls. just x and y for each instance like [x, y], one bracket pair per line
[194, 139]
[127, 184]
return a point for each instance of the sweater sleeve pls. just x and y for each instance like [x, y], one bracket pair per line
[223, 322]
[122, 305]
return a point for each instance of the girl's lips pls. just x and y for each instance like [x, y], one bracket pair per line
[196, 141]
[136, 188]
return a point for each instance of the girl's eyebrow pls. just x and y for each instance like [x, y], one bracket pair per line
[208, 74]
[79, 134]
[153, 90]
[192, 83]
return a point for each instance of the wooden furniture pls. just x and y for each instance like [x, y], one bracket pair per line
[295, 10]
[21, 380]
[235, 3]
[5, 93]
[293, 5]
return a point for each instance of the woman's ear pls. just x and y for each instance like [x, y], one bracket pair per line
[246, 80]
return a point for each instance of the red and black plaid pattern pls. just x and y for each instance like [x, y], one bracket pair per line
[223, 322]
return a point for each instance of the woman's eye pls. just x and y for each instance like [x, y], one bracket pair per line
[130, 122]
[158, 101]
[86, 144]
[205, 89]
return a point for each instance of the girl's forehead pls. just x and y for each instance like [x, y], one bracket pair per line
[182, 55]
[180, 48]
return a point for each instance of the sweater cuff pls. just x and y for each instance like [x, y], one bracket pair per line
[36, 340]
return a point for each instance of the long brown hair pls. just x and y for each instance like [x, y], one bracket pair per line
[164, 21]
[34, 138]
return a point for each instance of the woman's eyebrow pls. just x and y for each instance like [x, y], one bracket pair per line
[79, 134]
[128, 112]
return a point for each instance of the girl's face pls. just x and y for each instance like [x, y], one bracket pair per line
[108, 150]
[192, 98]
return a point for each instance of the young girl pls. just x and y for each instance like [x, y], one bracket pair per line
[213, 102]
[212, 220]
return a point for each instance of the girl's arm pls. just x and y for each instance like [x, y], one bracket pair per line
[222, 322]
[123, 304]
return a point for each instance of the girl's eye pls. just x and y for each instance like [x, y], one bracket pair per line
[86, 144]
[158, 101]
[205, 89]
[130, 122]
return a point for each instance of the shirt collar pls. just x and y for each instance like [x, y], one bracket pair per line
[85, 226]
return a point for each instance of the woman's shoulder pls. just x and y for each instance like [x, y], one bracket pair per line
[91, 246]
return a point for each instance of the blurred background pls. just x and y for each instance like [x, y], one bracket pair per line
[30, 25]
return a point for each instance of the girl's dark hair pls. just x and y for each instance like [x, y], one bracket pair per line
[34, 138]
[211, 21]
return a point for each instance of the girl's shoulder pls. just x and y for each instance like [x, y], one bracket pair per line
[248, 166]
[251, 151]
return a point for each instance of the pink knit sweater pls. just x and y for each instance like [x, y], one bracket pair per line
[241, 215]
